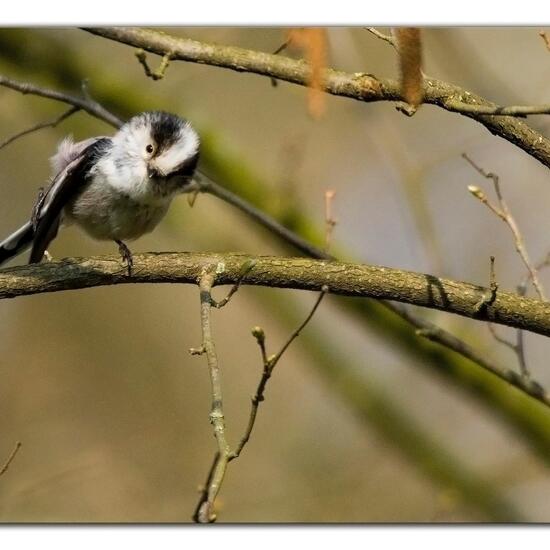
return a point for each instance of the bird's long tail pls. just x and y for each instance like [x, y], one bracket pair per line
[16, 243]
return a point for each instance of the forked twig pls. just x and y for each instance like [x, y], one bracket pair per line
[503, 212]
[160, 72]
[269, 363]
[385, 37]
[205, 509]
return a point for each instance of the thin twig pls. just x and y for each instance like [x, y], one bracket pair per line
[205, 511]
[489, 297]
[386, 37]
[546, 40]
[159, 73]
[6, 465]
[296, 333]
[207, 185]
[269, 363]
[503, 212]
[544, 263]
[86, 104]
[198, 515]
[500, 339]
[50, 124]
[246, 268]
[519, 346]
[488, 110]
[440, 336]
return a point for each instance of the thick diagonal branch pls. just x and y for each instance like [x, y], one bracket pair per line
[359, 86]
[344, 279]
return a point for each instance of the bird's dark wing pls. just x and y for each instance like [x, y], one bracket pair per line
[47, 214]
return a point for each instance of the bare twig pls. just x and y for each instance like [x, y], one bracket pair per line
[207, 185]
[510, 110]
[489, 297]
[526, 385]
[500, 339]
[246, 268]
[546, 40]
[85, 104]
[503, 212]
[199, 514]
[205, 512]
[518, 347]
[6, 465]
[50, 124]
[296, 333]
[269, 363]
[386, 37]
[159, 73]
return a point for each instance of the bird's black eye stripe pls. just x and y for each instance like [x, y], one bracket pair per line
[187, 168]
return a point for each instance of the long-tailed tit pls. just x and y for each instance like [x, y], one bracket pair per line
[116, 188]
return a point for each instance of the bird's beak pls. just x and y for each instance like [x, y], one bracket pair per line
[152, 171]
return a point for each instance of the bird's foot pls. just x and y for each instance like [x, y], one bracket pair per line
[47, 256]
[126, 255]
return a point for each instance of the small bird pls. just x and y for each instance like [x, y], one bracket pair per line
[115, 188]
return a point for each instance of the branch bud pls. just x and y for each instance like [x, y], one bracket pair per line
[476, 192]
[259, 334]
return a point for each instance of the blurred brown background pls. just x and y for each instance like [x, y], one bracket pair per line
[98, 384]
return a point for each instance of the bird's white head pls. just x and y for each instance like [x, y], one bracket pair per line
[160, 149]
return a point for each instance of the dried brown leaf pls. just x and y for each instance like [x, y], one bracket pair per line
[313, 43]
[410, 61]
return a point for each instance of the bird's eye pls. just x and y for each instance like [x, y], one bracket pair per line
[149, 148]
